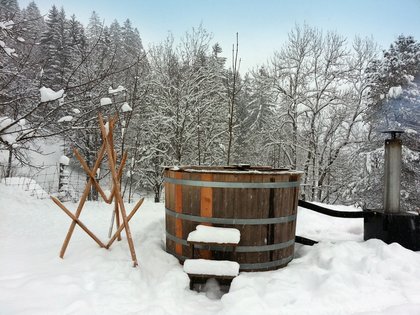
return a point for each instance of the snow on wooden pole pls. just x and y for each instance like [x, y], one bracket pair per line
[63, 178]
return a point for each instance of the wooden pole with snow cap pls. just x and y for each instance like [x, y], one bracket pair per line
[63, 179]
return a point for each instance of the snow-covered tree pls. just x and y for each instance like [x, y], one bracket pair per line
[55, 42]
[395, 105]
[18, 83]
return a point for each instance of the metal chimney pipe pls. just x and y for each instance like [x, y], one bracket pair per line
[391, 225]
[392, 172]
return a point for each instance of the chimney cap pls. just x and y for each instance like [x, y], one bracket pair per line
[393, 133]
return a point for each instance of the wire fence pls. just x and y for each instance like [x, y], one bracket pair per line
[43, 182]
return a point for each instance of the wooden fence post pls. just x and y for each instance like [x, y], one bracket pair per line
[63, 179]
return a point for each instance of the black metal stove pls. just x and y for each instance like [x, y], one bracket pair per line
[391, 224]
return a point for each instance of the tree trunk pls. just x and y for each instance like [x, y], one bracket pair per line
[157, 190]
[232, 96]
[295, 141]
[314, 180]
[306, 173]
[199, 137]
[9, 163]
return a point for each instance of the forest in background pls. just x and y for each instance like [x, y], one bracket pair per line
[318, 105]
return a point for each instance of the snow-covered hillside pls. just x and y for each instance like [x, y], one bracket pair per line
[348, 276]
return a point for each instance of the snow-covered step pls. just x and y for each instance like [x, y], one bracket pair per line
[216, 235]
[205, 267]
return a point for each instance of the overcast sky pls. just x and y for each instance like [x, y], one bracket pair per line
[262, 24]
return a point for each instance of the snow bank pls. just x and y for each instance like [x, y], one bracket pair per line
[211, 234]
[317, 226]
[26, 184]
[340, 277]
[48, 95]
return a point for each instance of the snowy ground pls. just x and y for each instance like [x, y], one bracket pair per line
[348, 276]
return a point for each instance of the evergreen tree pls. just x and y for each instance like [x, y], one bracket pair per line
[9, 10]
[19, 86]
[395, 105]
[115, 37]
[56, 50]
[399, 66]
[77, 39]
[33, 26]
[34, 23]
[258, 119]
[94, 29]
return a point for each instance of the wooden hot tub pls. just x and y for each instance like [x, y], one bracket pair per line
[261, 202]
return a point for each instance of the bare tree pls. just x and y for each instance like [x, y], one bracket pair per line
[232, 92]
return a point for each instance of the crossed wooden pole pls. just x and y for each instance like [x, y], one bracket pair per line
[107, 148]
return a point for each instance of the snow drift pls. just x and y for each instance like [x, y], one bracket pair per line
[341, 275]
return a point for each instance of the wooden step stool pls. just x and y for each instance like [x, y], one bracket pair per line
[199, 270]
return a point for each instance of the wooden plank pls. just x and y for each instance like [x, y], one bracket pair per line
[178, 208]
[206, 207]
[117, 188]
[77, 221]
[117, 217]
[213, 243]
[186, 209]
[206, 199]
[254, 197]
[169, 204]
[121, 227]
[219, 210]
[120, 170]
[281, 209]
[91, 175]
[166, 185]
[264, 204]
[191, 206]
[82, 202]
[116, 207]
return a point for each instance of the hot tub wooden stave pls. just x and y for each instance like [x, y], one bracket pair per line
[261, 204]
